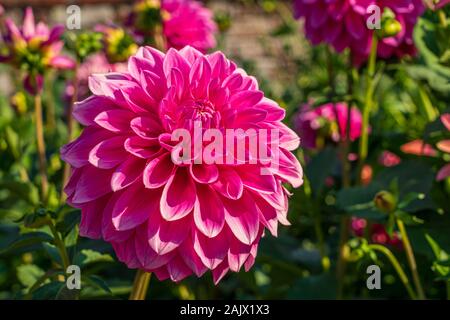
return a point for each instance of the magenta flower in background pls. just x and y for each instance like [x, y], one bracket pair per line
[34, 48]
[320, 123]
[96, 63]
[183, 22]
[377, 233]
[177, 219]
[342, 24]
[389, 159]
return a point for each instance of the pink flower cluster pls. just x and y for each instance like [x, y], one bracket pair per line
[34, 48]
[320, 123]
[175, 220]
[342, 24]
[377, 233]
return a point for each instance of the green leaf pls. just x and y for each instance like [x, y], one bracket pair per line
[98, 282]
[28, 274]
[48, 291]
[88, 256]
[27, 240]
[53, 252]
[72, 237]
[358, 201]
[65, 293]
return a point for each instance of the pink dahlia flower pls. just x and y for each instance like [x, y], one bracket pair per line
[183, 22]
[342, 24]
[320, 123]
[34, 48]
[160, 215]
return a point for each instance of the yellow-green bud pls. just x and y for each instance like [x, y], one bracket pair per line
[385, 201]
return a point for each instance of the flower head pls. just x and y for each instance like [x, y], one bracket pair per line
[377, 233]
[34, 48]
[117, 43]
[320, 123]
[178, 218]
[182, 22]
[342, 24]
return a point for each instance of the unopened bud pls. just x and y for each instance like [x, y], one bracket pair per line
[385, 201]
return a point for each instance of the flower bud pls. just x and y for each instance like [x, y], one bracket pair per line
[390, 26]
[385, 201]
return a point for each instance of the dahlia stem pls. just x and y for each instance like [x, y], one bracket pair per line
[411, 259]
[60, 245]
[368, 104]
[402, 275]
[70, 127]
[41, 145]
[342, 259]
[140, 285]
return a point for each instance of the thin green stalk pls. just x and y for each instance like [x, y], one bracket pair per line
[442, 18]
[402, 275]
[140, 285]
[368, 104]
[411, 260]
[61, 247]
[342, 259]
[41, 146]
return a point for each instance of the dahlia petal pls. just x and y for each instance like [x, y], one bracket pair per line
[86, 111]
[158, 171]
[246, 99]
[212, 251]
[204, 173]
[108, 153]
[109, 231]
[142, 148]
[273, 111]
[229, 184]
[174, 59]
[208, 211]
[134, 206]
[146, 127]
[127, 173]
[178, 196]
[114, 120]
[268, 215]
[242, 216]
[237, 254]
[191, 258]
[91, 218]
[125, 252]
[146, 255]
[165, 236]
[177, 269]
[161, 273]
[91, 184]
[219, 272]
[252, 178]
